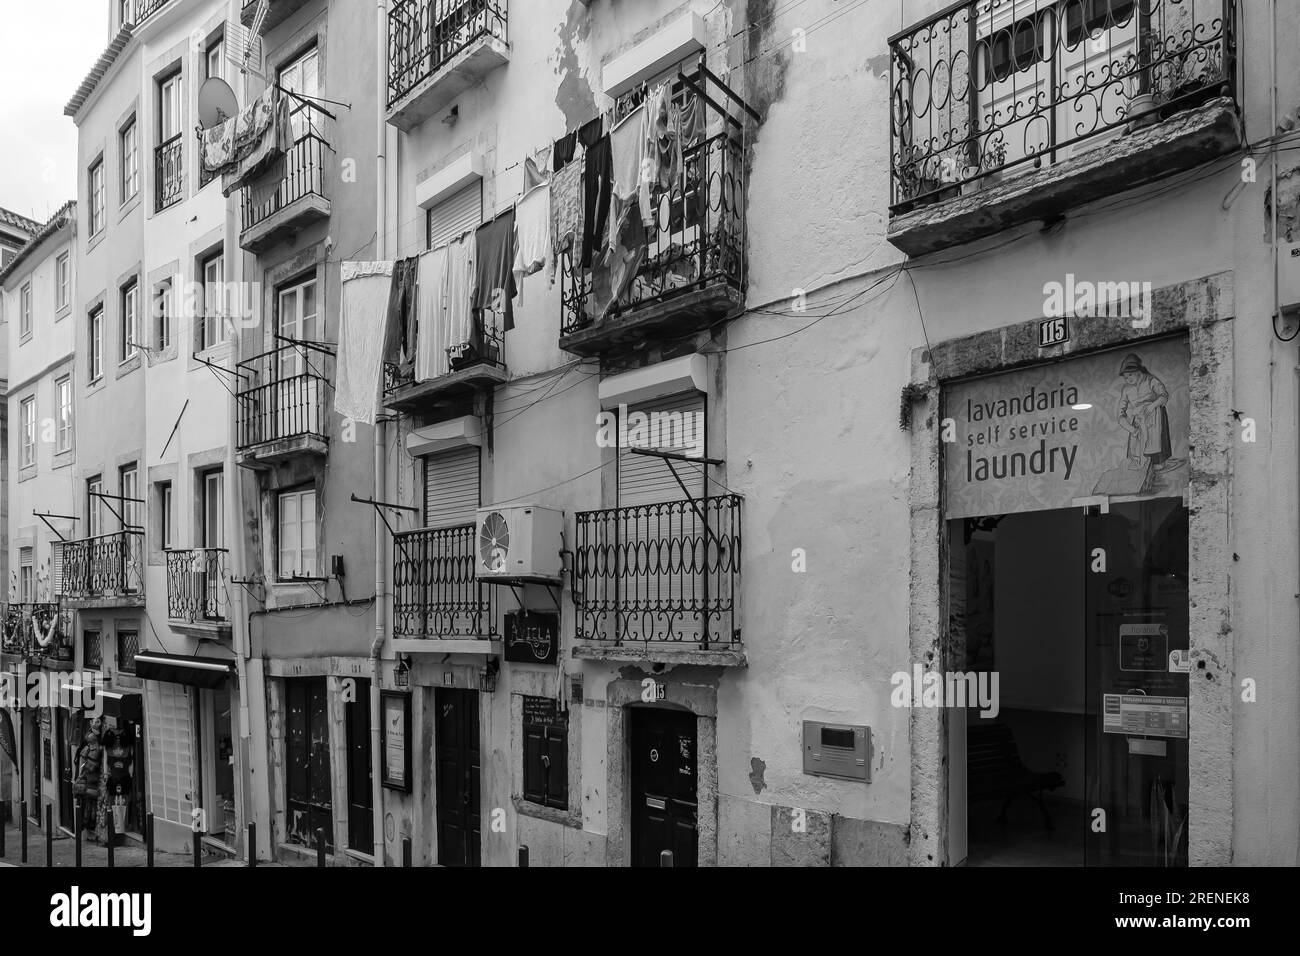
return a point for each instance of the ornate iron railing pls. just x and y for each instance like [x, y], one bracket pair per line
[169, 172]
[196, 585]
[423, 35]
[144, 9]
[285, 394]
[485, 346]
[304, 175]
[105, 566]
[435, 594]
[40, 632]
[660, 573]
[992, 86]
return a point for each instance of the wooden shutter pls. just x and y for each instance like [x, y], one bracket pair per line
[456, 214]
[644, 480]
[451, 487]
[171, 763]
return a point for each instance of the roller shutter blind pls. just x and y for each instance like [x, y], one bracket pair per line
[459, 212]
[645, 480]
[451, 487]
[56, 568]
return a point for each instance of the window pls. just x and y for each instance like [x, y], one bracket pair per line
[92, 651]
[96, 196]
[129, 488]
[216, 60]
[165, 514]
[63, 280]
[63, 401]
[214, 535]
[128, 645]
[124, 11]
[169, 108]
[297, 321]
[297, 538]
[301, 76]
[130, 162]
[29, 431]
[26, 579]
[94, 507]
[130, 321]
[25, 310]
[163, 316]
[95, 360]
[214, 285]
[546, 753]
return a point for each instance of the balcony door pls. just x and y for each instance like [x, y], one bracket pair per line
[301, 75]
[214, 306]
[298, 390]
[303, 165]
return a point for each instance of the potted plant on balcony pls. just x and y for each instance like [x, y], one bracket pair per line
[1191, 79]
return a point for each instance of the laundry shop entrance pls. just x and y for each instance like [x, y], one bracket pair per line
[1068, 595]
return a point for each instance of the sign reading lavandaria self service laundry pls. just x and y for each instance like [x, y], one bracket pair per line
[1112, 424]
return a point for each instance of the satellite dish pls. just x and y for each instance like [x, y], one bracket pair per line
[217, 102]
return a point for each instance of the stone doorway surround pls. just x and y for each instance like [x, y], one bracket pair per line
[1202, 309]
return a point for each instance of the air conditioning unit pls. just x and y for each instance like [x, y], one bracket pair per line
[518, 542]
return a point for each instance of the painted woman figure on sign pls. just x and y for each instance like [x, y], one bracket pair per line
[1141, 412]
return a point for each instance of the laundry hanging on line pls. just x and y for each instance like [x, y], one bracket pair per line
[363, 337]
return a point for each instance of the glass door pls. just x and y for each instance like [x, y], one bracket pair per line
[1137, 622]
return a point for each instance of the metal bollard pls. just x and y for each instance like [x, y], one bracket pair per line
[198, 849]
[320, 846]
[523, 856]
[251, 846]
[22, 831]
[666, 858]
[76, 826]
[406, 851]
[108, 828]
[49, 834]
[148, 840]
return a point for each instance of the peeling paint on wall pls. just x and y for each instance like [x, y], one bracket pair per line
[573, 95]
[756, 769]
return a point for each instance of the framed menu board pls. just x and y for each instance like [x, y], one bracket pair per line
[395, 739]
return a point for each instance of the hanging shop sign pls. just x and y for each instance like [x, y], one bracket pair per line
[1113, 424]
[532, 637]
[395, 713]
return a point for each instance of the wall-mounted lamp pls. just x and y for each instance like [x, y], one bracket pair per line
[487, 677]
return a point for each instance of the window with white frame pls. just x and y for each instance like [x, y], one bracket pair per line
[130, 161]
[95, 345]
[97, 197]
[169, 108]
[301, 75]
[216, 59]
[26, 576]
[130, 320]
[297, 534]
[63, 398]
[63, 280]
[214, 533]
[165, 518]
[25, 310]
[163, 316]
[94, 507]
[297, 320]
[29, 431]
[214, 305]
[128, 483]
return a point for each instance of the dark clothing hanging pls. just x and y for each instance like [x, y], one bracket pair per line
[401, 311]
[589, 133]
[563, 151]
[598, 181]
[494, 244]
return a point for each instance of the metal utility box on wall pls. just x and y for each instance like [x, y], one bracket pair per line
[837, 750]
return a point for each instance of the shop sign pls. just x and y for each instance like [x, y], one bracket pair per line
[396, 730]
[1113, 424]
[532, 637]
[1145, 716]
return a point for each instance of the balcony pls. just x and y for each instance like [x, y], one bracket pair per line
[692, 272]
[438, 606]
[276, 13]
[104, 571]
[144, 9]
[659, 582]
[41, 633]
[469, 366]
[168, 173]
[280, 205]
[1017, 112]
[283, 404]
[196, 592]
[437, 49]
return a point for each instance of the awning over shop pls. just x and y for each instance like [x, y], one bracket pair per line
[184, 669]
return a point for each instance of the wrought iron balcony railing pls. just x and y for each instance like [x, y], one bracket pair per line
[105, 566]
[660, 573]
[435, 594]
[304, 175]
[40, 632]
[424, 35]
[990, 87]
[169, 173]
[196, 586]
[285, 394]
[486, 346]
[144, 9]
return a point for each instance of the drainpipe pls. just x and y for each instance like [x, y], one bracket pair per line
[381, 249]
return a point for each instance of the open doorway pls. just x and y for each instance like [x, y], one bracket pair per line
[1082, 615]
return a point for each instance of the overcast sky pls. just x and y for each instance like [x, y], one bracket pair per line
[46, 49]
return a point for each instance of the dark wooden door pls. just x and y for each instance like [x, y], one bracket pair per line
[361, 832]
[310, 805]
[456, 735]
[664, 778]
[68, 747]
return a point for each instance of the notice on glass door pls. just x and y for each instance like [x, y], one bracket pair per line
[1145, 716]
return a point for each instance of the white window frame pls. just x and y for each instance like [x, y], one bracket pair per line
[26, 575]
[97, 197]
[166, 518]
[163, 307]
[94, 507]
[128, 486]
[63, 280]
[63, 398]
[28, 424]
[296, 324]
[130, 320]
[213, 326]
[25, 310]
[291, 547]
[170, 107]
[95, 358]
[295, 76]
[129, 141]
[213, 508]
[215, 53]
